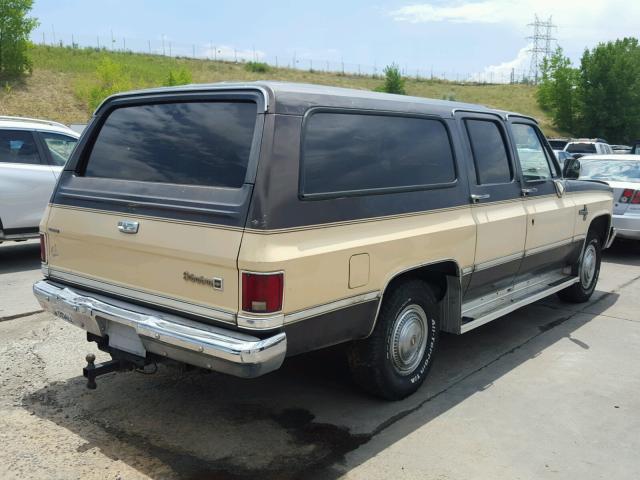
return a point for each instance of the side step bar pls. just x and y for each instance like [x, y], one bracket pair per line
[469, 323]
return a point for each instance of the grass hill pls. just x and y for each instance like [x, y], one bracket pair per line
[61, 76]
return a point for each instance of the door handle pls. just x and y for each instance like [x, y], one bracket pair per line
[527, 191]
[128, 226]
[476, 197]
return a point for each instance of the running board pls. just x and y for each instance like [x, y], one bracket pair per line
[469, 323]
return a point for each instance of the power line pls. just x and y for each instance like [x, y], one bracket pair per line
[541, 45]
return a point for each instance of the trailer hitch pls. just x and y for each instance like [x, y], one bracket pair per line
[92, 371]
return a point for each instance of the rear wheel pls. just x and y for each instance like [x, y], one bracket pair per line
[394, 361]
[588, 272]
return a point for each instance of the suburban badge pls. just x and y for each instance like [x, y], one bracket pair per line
[215, 282]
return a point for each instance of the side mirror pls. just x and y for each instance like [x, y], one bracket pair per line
[571, 168]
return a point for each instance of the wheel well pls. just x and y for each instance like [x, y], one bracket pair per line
[600, 225]
[435, 274]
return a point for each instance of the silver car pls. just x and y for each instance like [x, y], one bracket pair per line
[622, 173]
[32, 154]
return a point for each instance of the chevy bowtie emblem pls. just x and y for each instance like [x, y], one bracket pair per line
[215, 282]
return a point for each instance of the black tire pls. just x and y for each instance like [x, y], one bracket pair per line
[581, 291]
[378, 363]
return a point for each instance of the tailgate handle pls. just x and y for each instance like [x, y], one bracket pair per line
[128, 226]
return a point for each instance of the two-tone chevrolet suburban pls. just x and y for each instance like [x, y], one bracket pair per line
[229, 226]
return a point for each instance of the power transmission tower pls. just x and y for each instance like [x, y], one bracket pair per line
[541, 45]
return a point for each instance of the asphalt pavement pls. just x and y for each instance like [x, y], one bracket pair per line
[549, 391]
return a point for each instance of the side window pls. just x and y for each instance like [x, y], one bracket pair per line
[353, 152]
[533, 159]
[18, 146]
[489, 152]
[60, 146]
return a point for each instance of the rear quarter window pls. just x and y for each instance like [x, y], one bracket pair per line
[358, 152]
[189, 143]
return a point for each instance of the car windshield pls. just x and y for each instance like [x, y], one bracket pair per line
[615, 170]
[581, 148]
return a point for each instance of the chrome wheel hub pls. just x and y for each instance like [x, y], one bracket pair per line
[409, 339]
[588, 266]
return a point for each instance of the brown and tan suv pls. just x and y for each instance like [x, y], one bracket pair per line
[229, 226]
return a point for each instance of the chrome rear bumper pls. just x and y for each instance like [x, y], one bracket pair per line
[139, 330]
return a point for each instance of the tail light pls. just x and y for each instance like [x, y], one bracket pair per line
[627, 195]
[262, 292]
[43, 248]
[636, 198]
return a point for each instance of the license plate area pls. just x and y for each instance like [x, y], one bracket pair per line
[125, 338]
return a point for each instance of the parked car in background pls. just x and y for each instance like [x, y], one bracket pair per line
[229, 226]
[558, 143]
[562, 156]
[32, 154]
[622, 173]
[588, 146]
[621, 149]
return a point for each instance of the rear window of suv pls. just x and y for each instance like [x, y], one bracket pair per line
[188, 143]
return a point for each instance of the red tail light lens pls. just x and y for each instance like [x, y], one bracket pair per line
[43, 248]
[262, 293]
[636, 198]
[626, 196]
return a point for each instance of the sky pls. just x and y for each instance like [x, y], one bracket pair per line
[459, 38]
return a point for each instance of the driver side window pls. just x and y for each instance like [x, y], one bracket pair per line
[531, 154]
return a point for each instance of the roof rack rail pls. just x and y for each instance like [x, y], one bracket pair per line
[34, 120]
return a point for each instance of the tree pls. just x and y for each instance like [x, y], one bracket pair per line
[393, 81]
[15, 28]
[557, 90]
[609, 91]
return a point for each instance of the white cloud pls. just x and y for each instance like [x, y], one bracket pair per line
[461, 12]
[501, 73]
[517, 12]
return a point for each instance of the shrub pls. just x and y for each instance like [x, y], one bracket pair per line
[257, 67]
[181, 76]
[111, 78]
[393, 81]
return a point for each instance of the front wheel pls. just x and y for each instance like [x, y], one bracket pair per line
[394, 361]
[588, 272]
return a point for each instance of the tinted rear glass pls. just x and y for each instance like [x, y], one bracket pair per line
[489, 152]
[357, 152]
[206, 143]
[581, 148]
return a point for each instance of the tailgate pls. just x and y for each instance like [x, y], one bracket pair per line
[152, 206]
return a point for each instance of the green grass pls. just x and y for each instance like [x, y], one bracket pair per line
[62, 76]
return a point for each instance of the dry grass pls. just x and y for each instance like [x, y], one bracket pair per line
[61, 73]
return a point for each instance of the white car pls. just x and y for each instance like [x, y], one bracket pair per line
[588, 146]
[32, 155]
[622, 173]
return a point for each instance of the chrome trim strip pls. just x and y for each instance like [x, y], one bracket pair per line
[151, 298]
[255, 322]
[212, 347]
[465, 327]
[612, 236]
[467, 270]
[330, 307]
[549, 246]
[497, 261]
